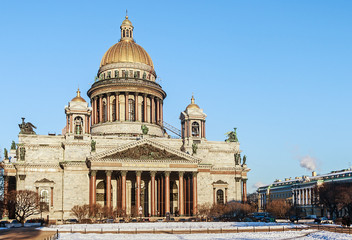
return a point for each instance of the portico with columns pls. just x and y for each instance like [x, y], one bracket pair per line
[167, 183]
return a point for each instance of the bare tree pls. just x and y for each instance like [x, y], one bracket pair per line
[327, 197]
[25, 202]
[119, 212]
[80, 211]
[252, 199]
[204, 209]
[279, 208]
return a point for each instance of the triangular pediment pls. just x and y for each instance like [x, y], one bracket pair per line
[145, 150]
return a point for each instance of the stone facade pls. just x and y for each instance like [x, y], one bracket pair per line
[119, 153]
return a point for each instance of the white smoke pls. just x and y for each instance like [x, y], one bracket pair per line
[258, 185]
[308, 163]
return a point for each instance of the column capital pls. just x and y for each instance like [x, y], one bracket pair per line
[167, 173]
[181, 173]
[194, 174]
[138, 173]
[244, 180]
[108, 173]
[152, 173]
[93, 173]
[123, 173]
[108, 94]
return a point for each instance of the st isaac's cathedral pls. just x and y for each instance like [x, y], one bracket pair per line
[118, 153]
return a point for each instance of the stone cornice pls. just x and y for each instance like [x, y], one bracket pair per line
[19, 166]
[130, 82]
[42, 145]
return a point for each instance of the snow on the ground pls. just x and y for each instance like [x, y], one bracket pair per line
[306, 234]
[166, 225]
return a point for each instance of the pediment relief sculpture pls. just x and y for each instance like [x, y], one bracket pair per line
[144, 152]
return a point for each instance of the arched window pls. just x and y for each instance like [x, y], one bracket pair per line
[44, 200]
[127, 35]
[195, 129]
[131, 110]
[78, 125]
[220, 196]
[124, 33]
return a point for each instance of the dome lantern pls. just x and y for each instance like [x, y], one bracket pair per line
[126, 29]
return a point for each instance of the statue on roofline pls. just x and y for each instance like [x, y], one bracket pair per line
[145, 129]
[237, 158]
[26, 127]
[13, 145]
[244, 160]
[232, 136]
[194, 148]
[6, 155]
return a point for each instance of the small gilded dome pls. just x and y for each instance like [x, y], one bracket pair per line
[192, 105]
[126, 22]
[126, 51]
[78, 98]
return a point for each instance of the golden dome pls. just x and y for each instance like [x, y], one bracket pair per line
[192, 105]
[126, 51]
[126, 22]
[78, 98]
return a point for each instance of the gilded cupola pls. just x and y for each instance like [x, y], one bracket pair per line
[126, 54]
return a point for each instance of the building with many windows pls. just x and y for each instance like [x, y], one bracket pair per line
[301, 191]
[117, 150]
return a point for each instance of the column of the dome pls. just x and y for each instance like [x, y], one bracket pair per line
[145, 108]
[117, 101]
[161, 113]
[136, 107]
[153, 109]
[157, 111]
[126, 106]
[108, 106]
[95, 110]
[100, 109]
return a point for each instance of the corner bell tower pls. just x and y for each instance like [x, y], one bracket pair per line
[77, 116]
[193, 124]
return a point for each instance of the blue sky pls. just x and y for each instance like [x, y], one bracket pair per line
[279, 71]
